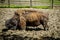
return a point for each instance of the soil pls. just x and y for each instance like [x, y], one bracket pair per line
[32, 34]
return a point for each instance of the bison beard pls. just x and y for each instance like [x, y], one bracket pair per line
[32, 19]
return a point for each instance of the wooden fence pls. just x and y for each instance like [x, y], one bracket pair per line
[29, 3]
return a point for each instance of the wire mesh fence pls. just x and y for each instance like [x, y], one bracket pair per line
[29, 3]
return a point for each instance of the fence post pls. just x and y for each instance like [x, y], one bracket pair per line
[30, 3]
[9, 3]
[52, 4]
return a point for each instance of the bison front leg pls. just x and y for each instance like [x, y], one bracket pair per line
[23, 23]
[23, 26]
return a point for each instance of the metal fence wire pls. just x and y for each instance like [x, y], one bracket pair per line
[30, 3]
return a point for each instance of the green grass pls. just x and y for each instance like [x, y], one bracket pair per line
[14, 6]
[42, 7]
[56, 2]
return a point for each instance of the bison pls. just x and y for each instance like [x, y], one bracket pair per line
[32, 19]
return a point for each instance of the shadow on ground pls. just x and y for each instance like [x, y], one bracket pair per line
[27, 29]
[36, 29]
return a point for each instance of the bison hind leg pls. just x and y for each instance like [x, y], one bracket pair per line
[44, 24]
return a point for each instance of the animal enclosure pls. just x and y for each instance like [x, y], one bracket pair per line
[29, 3]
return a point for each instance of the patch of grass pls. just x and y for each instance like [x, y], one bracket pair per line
[3, 6]
[42, 7]
[56, 2]
[14, 6]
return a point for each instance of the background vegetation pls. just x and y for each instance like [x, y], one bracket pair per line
[29, 3]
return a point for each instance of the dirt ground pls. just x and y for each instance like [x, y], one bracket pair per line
[53, 23]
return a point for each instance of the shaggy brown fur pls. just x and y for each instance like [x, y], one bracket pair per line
[20, 12]
[35, 19]
[32, 19]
